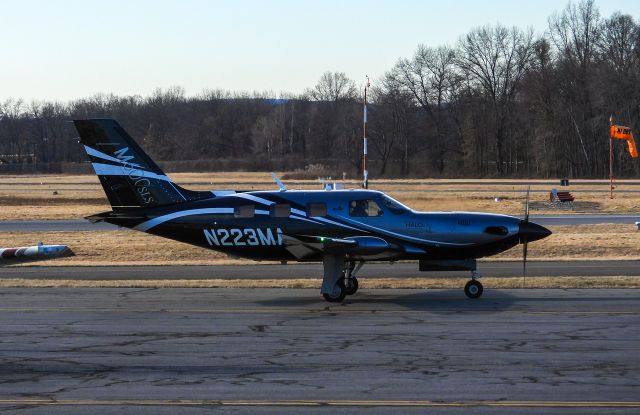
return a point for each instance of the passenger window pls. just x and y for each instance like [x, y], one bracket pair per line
[361, 208]
[317, 209]
[280, 210]
[248, 211]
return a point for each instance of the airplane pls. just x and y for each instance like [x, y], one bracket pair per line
[343, 229]
[40, 252]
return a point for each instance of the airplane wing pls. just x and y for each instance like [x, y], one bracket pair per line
[303, 246]
[40, 252]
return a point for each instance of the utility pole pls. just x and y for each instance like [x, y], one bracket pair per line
[365, 173]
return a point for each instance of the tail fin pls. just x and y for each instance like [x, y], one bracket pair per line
[129, 177]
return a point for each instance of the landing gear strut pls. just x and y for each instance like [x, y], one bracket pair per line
[333, 289]
[473, 288]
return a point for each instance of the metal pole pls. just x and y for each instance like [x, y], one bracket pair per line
[611, 165]
[610, 159]
[365, 173]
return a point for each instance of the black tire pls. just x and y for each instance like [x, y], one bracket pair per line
[351, 286]
[473, 289]
[339, 298]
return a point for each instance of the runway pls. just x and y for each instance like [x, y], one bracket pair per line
[278, 351]
[84, 225]
[296, 270]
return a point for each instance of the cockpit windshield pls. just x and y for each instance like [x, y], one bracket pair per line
[393, 205]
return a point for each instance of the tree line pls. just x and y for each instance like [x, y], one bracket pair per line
[502, 101]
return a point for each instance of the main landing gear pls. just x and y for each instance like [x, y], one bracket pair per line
[339, 278]
[473, 288]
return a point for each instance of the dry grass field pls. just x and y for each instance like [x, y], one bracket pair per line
[125, 247]
[47, 197]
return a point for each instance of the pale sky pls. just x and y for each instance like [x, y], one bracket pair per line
[61, 50]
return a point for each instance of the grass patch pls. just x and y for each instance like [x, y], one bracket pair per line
[32, 197]
[126, 247]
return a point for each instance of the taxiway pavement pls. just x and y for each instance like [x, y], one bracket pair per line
[314, 270]
[174, 351]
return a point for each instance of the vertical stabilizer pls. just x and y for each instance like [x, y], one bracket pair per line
[128, 175]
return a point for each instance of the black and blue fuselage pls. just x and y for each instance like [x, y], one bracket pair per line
[266, 225]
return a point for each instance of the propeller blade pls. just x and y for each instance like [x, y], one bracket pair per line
[525, 246]
[526, 205]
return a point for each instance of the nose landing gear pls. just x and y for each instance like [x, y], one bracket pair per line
[473, 289]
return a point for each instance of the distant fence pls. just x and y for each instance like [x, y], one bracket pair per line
[202, 165]
[45, 168]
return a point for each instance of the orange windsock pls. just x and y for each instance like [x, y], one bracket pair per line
[618, 131]
[632, 147]
[624, 133]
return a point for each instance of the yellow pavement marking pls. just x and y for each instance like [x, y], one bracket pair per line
[314, 402]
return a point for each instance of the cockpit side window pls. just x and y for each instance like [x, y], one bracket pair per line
[364, 208]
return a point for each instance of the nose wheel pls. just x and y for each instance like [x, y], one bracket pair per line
[473, 289]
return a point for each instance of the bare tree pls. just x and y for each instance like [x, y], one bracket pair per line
[618, 42]
[428, 76]
[390, 122]
[333, 87]
[495, 59]
[575, 32]
[431, 77]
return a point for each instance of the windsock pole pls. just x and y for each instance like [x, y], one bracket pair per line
[365, 173]
[611, 179]
[622, 133]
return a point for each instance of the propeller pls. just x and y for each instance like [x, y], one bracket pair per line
[524, 237]
[529, 232]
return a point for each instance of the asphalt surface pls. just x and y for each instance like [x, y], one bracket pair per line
[276, 351]
[84, 225]
[314, 270]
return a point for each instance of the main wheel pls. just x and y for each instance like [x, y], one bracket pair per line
[339, 292]
[351, 286]
[473, 289]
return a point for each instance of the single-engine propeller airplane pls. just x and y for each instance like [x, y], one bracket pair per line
[341, 228]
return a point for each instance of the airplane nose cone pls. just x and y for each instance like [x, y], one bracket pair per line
[532, 231]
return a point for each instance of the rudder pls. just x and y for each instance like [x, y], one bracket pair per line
[130, 178]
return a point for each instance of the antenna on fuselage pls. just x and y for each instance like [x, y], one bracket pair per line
[365, 173]
[282, 187]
